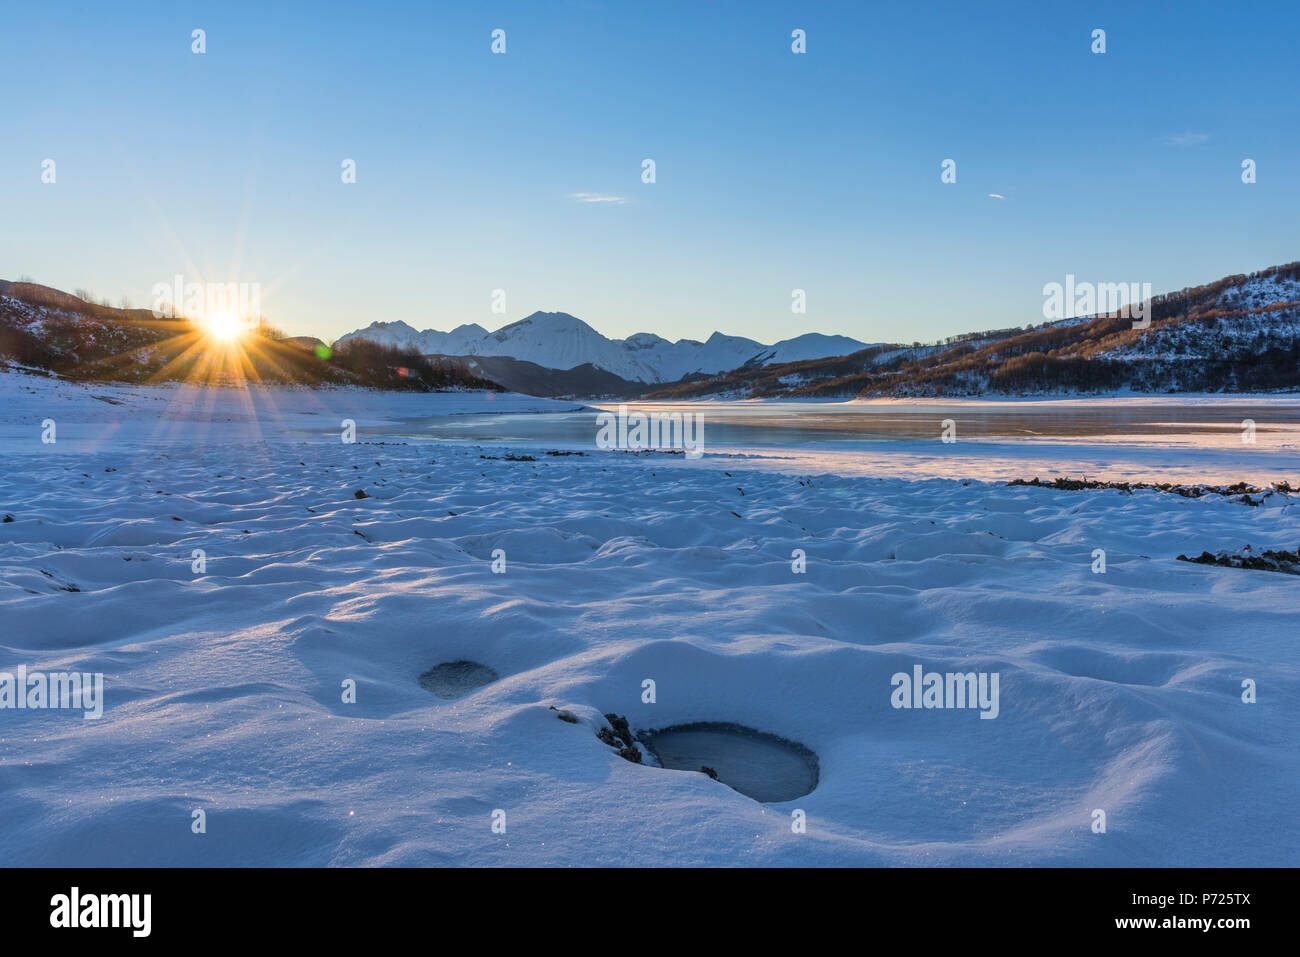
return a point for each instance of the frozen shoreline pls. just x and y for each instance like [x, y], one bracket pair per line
[1119, 691]
[1061, 400]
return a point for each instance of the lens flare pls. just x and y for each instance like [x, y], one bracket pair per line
[225, 326]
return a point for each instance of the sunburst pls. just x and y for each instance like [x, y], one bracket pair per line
[226, 327]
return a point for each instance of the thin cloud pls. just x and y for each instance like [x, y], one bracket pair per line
[1187, 139]
[996, 196]
[597, 198]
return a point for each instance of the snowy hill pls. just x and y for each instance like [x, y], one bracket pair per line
[45, 328]
[557, 340]
[1239, 334]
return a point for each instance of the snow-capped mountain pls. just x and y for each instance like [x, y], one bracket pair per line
[428, 342]
[558, 340]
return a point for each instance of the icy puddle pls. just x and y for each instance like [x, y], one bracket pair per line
[759, 765]
[455, 679]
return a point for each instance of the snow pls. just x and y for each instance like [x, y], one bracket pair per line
[1119, 691]
[1261, 291]
[558, 340]
[814, 345]
[429, 342]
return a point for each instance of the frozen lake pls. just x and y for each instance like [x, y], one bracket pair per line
[1147, 438]
[1207, 422]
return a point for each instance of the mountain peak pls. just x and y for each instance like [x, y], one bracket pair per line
[552, 320]
[541, 315]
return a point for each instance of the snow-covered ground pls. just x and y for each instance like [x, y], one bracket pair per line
[1119, 692]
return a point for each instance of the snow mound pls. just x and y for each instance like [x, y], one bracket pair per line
[225, 681]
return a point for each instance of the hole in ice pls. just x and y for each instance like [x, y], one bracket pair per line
[759, 765]
[455, 679]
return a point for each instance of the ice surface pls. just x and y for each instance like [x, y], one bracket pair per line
[455, 679]
[761, 766]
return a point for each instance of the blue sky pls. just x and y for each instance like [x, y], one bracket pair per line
[775, 171]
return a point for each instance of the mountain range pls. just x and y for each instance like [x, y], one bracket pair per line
[557, 340]
[1238, 334]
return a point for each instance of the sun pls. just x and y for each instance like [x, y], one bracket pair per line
[225, 326]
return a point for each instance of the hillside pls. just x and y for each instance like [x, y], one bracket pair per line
[1239, 334]
[46, 329]
[518, 375]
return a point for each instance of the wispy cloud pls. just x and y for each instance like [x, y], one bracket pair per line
[996, 196]
[1187, 139]
[597, 198]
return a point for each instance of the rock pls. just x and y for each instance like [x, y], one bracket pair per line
[564, 715]
[621, 730]
[620, 737]
[1267, 561]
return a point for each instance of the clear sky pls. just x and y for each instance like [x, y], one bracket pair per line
[775, 170]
